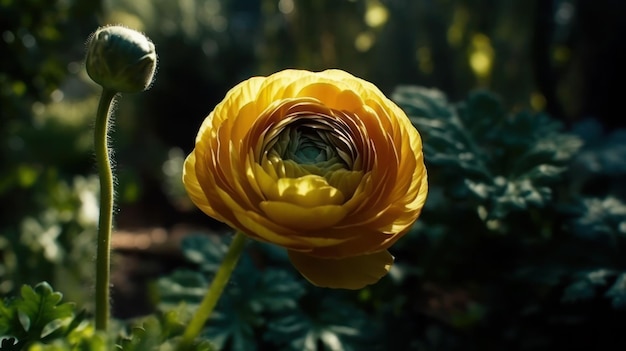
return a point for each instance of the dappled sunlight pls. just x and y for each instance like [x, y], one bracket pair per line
[312, 175]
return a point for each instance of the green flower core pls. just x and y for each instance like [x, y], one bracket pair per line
[319, 145]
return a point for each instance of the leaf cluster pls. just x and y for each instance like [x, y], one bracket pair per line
[519, 228]
[265, 304]
[502, 162]
[37, 315]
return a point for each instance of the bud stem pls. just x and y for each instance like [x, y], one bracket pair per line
[215, 291]
[106, 209]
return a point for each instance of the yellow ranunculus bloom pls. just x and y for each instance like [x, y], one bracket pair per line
[320, 163]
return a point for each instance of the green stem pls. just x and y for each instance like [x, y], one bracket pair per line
[215, 291]
[106, 209]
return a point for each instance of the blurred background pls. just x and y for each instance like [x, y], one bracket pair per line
[559, 57]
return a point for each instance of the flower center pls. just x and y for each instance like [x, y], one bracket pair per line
[317, 141]
[302, 146]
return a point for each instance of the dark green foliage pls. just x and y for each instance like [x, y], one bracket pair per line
[326, 324]
[514, 229]
[266, 307]
[601, 219]
[159, 332]
[502, 162]
[520, 246]
[37, 315]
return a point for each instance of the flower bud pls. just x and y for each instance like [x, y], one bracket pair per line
[121, 59]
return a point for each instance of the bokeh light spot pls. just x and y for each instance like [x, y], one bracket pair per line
[364, 41]
[376, 14]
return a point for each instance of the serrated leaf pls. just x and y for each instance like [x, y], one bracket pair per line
[601, 219]
[42, 306]
[182, 285]
[235, 329]
[37, 314]
[174, 321]
[145, 336]
[9, 344]
[332, 324]
[250, 295]
[90, 342]
[421, 102]
[603, 154]
[585, 286]
[278, 290]
[244, 306]
[205, 250]
[6, 318]
[617, 292]
[503, 162]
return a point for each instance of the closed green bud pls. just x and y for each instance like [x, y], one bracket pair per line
[121, 59]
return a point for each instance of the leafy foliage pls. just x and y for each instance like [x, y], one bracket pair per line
[37, 315]
[159, 332]
[266, 304]
[329, 324]
[530, 239]
[520, 247]
[503, 162]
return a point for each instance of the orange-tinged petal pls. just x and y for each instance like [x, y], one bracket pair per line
[250, 225]
[302, 218]
[274, 86]
[260, 227]
[347, 273]
[330, 95]
[192, 186]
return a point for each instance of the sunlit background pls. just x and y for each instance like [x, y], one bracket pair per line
[562, 57]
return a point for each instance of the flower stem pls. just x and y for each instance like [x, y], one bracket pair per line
[106, 209]
[215, 291]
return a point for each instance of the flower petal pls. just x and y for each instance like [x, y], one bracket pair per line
[308, 191]
[193, 188]
[303, 218]
[347, 273]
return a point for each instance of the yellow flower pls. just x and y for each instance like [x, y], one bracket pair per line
[320, 163]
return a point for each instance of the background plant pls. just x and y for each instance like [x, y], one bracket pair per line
[521, 243]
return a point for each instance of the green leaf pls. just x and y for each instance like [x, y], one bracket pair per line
[160, 332]
[85, 341]
[7, 313]
[37, 315]
[584, 288]
[617, 292]
[250, 296]
[601, 219]
[248, 300]
[332, 324]
[502, 163]
[41, 306]
[182, 285]
[207, 251]
[146, 336]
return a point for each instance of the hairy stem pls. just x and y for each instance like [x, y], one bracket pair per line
[215, 291]
[106, 209]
